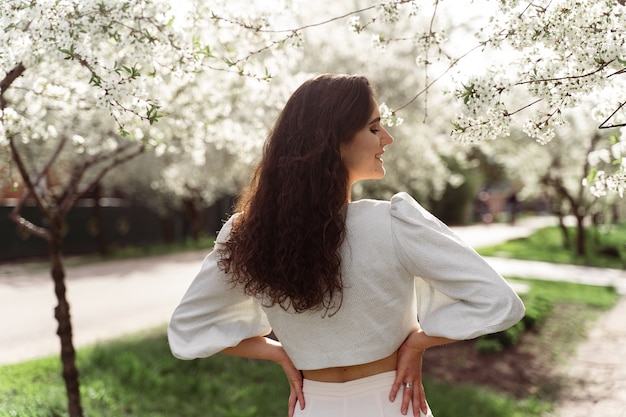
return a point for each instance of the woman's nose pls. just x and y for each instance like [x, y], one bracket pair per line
[387, 138]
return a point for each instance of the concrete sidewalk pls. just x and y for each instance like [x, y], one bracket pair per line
[597, 371]
[107, 300]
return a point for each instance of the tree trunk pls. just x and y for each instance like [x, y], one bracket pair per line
[62, 314]
[564, 232]
[193, 212]
[580, 236]
[101, 238]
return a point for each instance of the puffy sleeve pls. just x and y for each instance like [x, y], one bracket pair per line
[459, 295]
[214, 315]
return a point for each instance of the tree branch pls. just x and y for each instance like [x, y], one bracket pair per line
[70, 196]
[289, 33]
[30, 189]
[568, 77]
[425, 89]
[604, 124]
[11, 76]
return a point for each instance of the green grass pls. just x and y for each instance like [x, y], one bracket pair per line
[589, 296]
[605, 247]
[137, 377]
[472, 401]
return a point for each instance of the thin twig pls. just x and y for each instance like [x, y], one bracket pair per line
[604, 124]
[568, 77]
[422, 91]
[75, 193]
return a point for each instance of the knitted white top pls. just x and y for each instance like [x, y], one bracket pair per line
[399, 263]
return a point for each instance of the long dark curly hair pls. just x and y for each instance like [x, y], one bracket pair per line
[284, 244]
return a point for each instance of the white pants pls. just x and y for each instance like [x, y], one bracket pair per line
[364, 397]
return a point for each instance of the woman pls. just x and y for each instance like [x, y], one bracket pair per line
[342, 284]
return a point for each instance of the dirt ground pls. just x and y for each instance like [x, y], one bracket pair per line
[531, 367]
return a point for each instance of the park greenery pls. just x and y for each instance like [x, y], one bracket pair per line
[169, 102]
[606, 248]
[137, 375]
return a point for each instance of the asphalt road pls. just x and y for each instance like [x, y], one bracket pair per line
[107, 299]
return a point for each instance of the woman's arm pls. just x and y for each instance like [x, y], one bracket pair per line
[409, 369]
[265, 348]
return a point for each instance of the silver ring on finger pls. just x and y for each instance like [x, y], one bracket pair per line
[407, 385]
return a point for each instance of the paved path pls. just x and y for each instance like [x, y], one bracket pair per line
[597, 370]
[110, 299]
[107, 300]
[597, 373]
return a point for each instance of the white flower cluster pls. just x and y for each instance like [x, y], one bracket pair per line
[354, 23]
[564, 52]
[388, 117]
[484, 115]
[603, 182]
[117, 48]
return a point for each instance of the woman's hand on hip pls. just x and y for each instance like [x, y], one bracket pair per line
[409, 370]
[408, 382]
[294, 376]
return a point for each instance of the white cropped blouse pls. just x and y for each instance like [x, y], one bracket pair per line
[400, 265]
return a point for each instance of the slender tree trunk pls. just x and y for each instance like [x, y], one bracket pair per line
[194, 214]
[62, 315]
[101, 238]
[580, 235]
[564, 231]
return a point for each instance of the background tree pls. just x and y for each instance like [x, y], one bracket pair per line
[552, 171]
[78, 79]
[65, 63]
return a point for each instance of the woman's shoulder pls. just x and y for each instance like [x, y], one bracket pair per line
[401, 202]
[224, 232]
[404, 206]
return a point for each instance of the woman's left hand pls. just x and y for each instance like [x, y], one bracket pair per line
[409, 378]
[409, 371]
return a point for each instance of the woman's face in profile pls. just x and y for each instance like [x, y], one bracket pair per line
[362, 156]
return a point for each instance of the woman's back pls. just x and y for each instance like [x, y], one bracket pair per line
[378, 306]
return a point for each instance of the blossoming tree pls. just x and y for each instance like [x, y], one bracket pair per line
[89, 80]
[81, 82]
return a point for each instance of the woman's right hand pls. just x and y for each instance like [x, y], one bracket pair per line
[260, 347]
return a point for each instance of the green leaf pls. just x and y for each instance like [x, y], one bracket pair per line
[95, 80]
[71, 52]
[592, 175]
[152, 113]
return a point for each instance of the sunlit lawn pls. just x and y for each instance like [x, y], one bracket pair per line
[138, 377]
[605, 248]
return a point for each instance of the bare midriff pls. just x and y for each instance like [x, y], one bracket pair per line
[349, 373]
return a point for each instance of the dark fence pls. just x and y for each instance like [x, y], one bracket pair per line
[90, 229]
